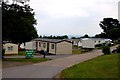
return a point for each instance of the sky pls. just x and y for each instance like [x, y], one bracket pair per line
[72, 17]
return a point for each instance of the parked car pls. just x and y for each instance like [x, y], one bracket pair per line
[114, 51]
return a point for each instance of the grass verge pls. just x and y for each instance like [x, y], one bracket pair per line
[76, 51]
[21, 53]
[101, 67]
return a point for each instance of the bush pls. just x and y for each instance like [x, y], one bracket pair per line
[42, 52]
[20, 49]
[106, 50]
[118, 49]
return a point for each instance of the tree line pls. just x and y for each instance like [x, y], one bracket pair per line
[54, 37]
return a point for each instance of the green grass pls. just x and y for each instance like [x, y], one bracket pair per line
[21, 53]
[101, 67]
[74, 47]
[32, 60]
[77, 51]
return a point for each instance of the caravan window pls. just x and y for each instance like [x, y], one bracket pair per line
[52, 46]
[10, 48]
[44, 45]
[39, 44]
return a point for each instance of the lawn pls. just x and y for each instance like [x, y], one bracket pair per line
[74, 47]
[21, 53]
[105, 66]
[80, 51]
[76, 51]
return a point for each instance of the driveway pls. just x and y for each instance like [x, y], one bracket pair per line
[48, 69]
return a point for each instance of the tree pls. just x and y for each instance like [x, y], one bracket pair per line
[65, 37]
[111, 28]
[73, 38]
[108, 24]
[85, 36]
[101, 35]
[40, 36]
[114, 34]
[56, 37]
[18, 23]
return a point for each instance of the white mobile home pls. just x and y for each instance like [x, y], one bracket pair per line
[92, 42]
[87, 43]
[101, 41]
[10, 49]
[75, 42]
[28, 45]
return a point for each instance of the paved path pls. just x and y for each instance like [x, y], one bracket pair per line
[47, 69]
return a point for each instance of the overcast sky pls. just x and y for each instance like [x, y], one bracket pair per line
[72, 17]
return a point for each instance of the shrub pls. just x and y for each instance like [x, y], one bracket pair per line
[42, 52]
[106, 50]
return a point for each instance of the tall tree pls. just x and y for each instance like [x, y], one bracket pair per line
[111, 28]
[114, 34]
[18, 23]
[85, 36]
[73, 38]
[109, 23]
[65, 37]
[101, 35]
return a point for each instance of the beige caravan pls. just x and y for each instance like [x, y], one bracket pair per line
[54, 46]
[11, 48]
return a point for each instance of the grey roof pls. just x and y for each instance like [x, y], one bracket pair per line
[94, 38]
[49, 40]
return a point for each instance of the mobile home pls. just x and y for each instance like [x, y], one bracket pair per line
[10, 49]
[87, 43]
[54, 46]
